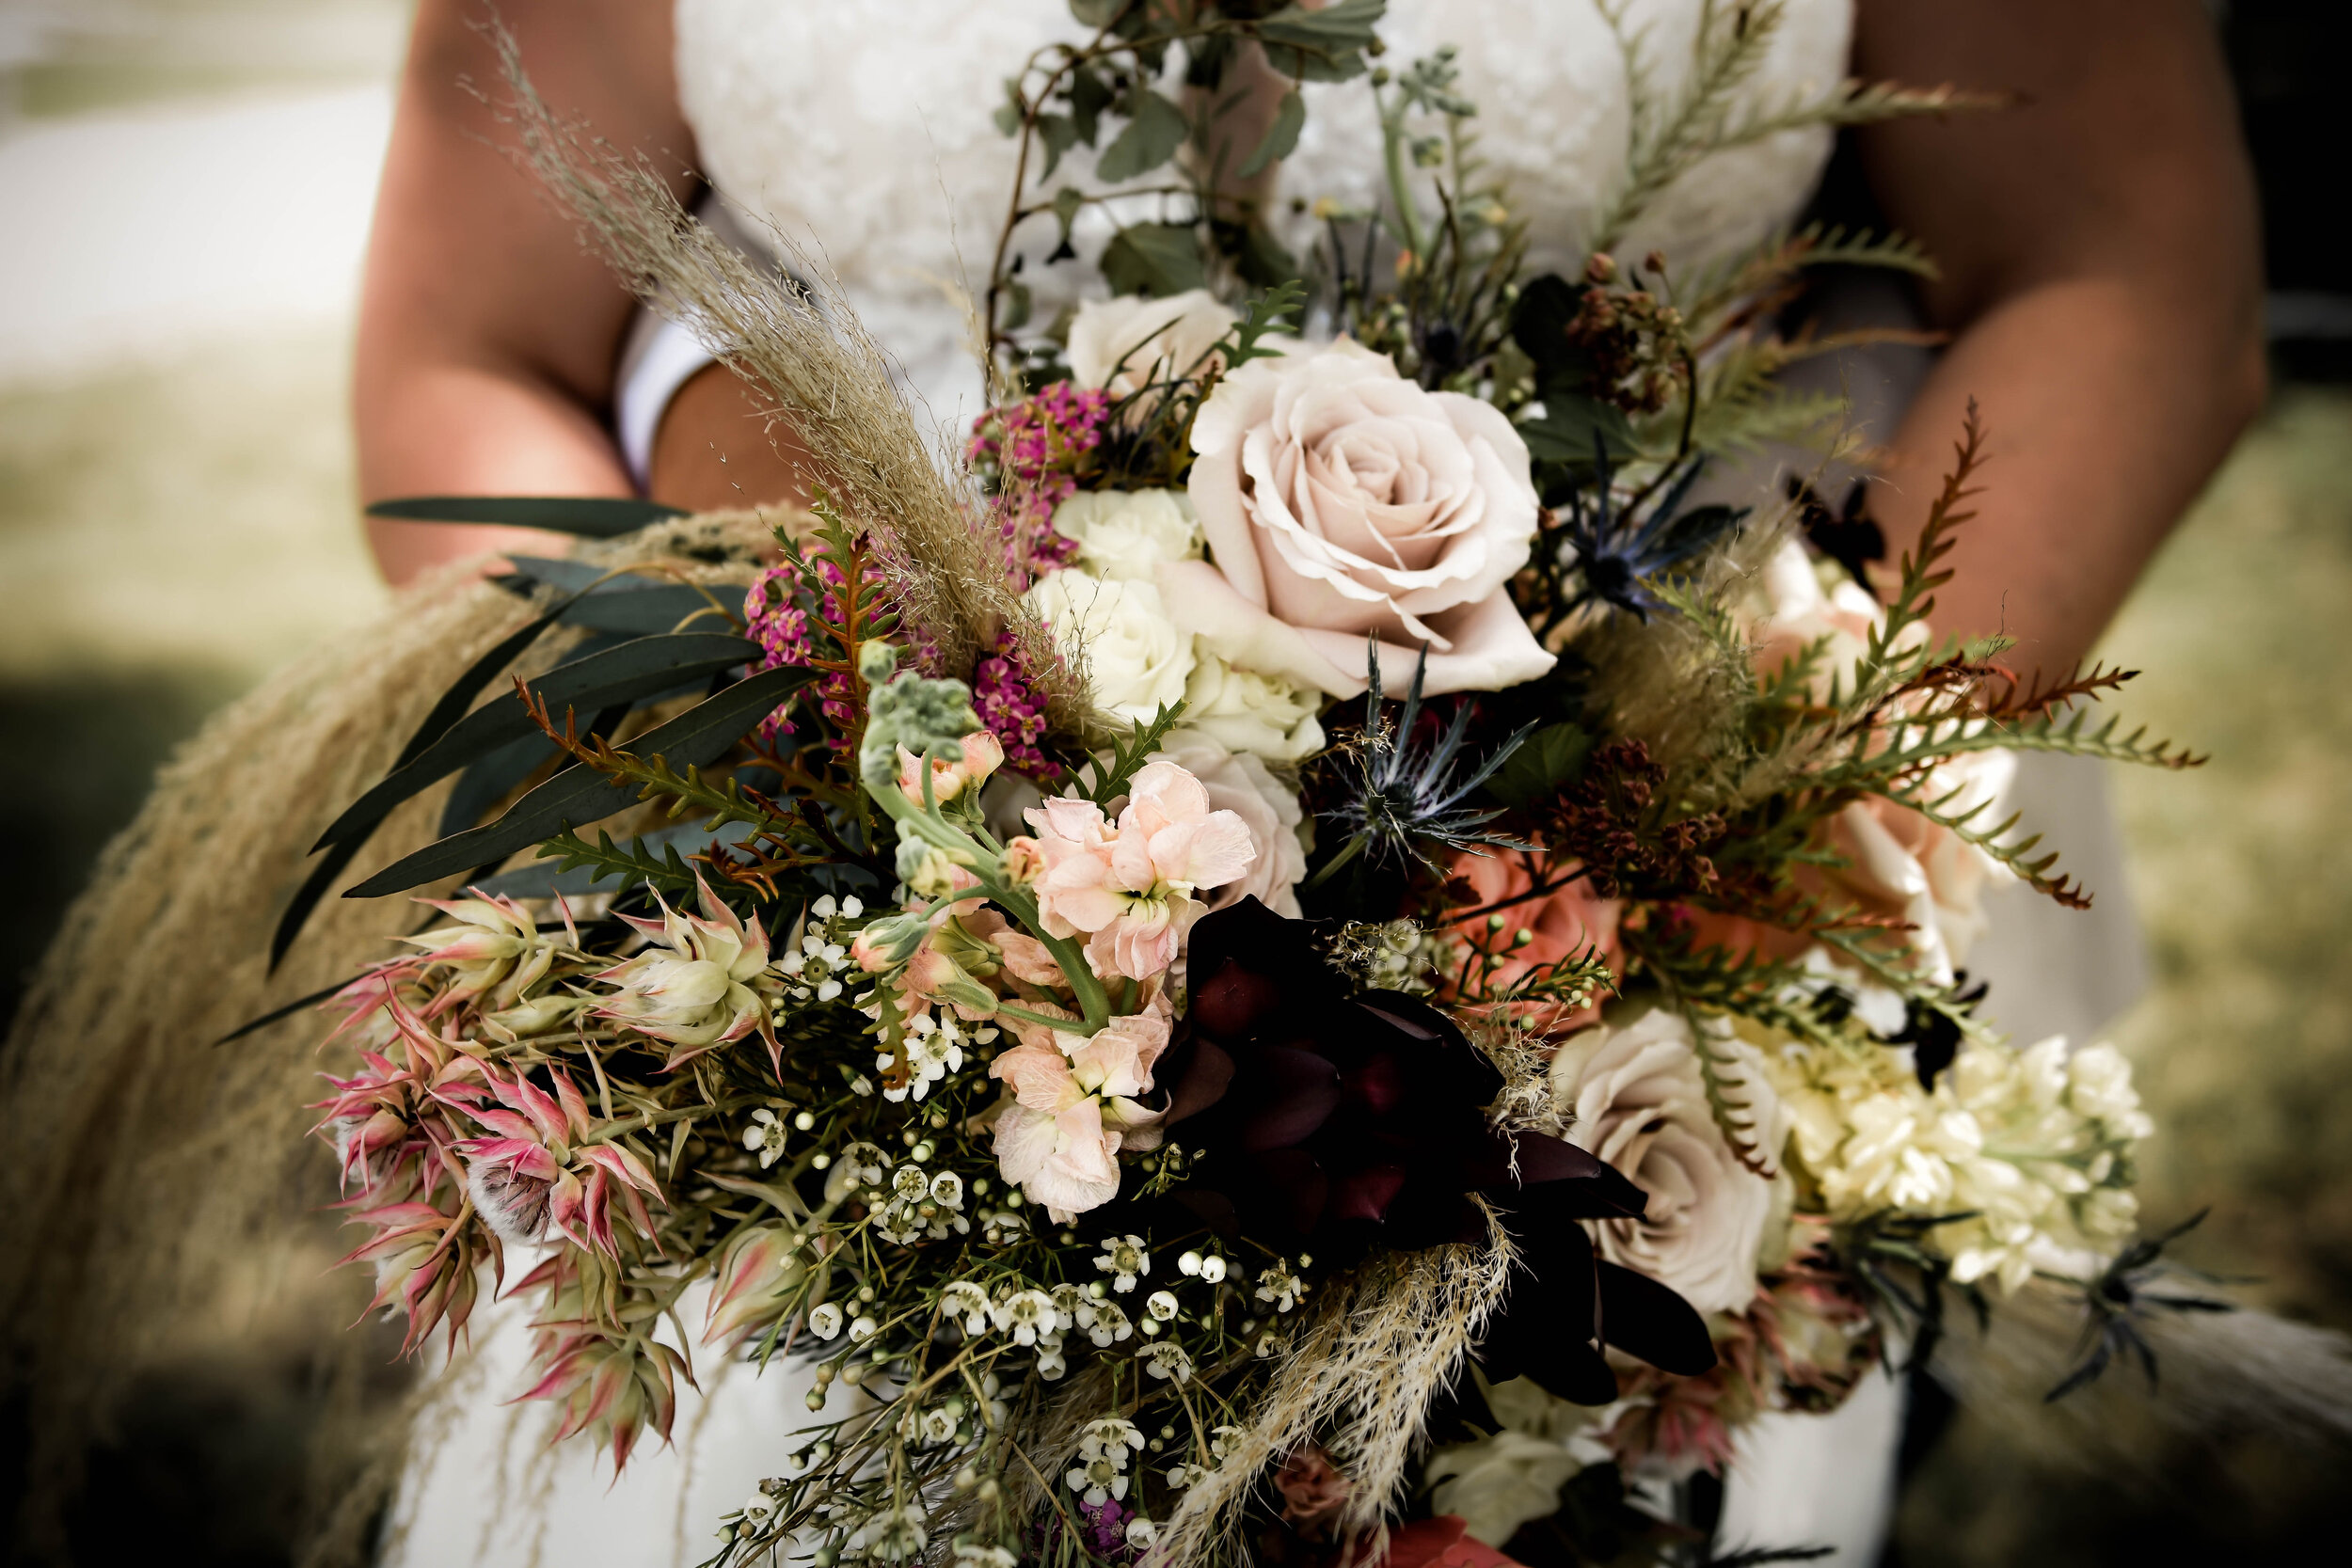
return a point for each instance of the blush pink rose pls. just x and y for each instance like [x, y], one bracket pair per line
[1341, 501]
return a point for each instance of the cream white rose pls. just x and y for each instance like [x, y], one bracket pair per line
[1239, 782]
[1245, 711]
[1136, 659]
[1127, 536]
[1340, 499]
[1124, 345]
[1633, 1095]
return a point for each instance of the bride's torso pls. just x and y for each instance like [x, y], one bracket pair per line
[865, 126]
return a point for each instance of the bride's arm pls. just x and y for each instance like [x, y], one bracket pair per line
[487, 333]
[2101, 273]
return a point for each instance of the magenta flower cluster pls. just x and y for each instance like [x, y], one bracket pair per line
[1034, 449]
[1012, 713]
[776, 620]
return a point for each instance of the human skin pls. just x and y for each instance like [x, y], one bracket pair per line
[2100, 279]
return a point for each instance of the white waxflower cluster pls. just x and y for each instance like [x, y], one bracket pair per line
[754, 1517]
[766, 1137]
[1222, 1442]
[922, 1204]
[935, 1049]
[1125, 1259]
[820, 967]
[1204, 1266]
[892, 1535]
[2034, 1143]
[1105, 1445]
[1279, 1287]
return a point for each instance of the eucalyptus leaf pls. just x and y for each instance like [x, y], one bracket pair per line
[1573, 428]
[577, 577]
[1154, 129]
[1325, 45]
[581, 794]
[1282, 138]
[446, 712]
[1157, 259]
[1067, 201]
[668, 607]
[1089, 95]
[589, 516]
[544, 880]
[636, 668]
[1059, 133]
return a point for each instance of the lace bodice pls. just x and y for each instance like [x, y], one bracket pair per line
[864, 126]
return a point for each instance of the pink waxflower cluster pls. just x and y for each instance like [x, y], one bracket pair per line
[1129, 887]
[1012, 713]
[1034, 449]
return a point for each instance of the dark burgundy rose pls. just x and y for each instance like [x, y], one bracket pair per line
[1342, 1123]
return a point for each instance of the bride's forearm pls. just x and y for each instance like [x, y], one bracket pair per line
[457, 429]
[2101, 280]
[2104, 412]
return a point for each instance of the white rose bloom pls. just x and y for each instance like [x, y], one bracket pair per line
[1136, 659]
[1239, 782]
[1128, 535]
[1633, 1094]
[1245, 711]
[1340, 499]
[1124, 345]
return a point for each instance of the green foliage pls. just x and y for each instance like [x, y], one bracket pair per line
[1112, 774]
[1547, 761]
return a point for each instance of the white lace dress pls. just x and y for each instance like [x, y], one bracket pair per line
[863, 127]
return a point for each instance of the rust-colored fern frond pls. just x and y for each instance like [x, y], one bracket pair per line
[2032, 698]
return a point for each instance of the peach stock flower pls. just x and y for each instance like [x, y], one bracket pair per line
[983, 753]
[1129, 887]
[1072, 1106]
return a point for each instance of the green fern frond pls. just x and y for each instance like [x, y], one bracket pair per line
[2018, 856]
[1669, 139]
[1127, 756]
[630, 862]
[1731, 1099]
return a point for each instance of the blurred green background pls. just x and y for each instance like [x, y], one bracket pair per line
[176, 520]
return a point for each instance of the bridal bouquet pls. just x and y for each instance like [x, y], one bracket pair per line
[1301, 936]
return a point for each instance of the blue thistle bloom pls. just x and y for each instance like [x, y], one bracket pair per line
[1404, 799]
[1618, 552]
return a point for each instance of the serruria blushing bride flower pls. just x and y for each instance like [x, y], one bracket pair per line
[494, 950]
[1129, 887]
[536, 1170]
[693, 990]
[1340, 499]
